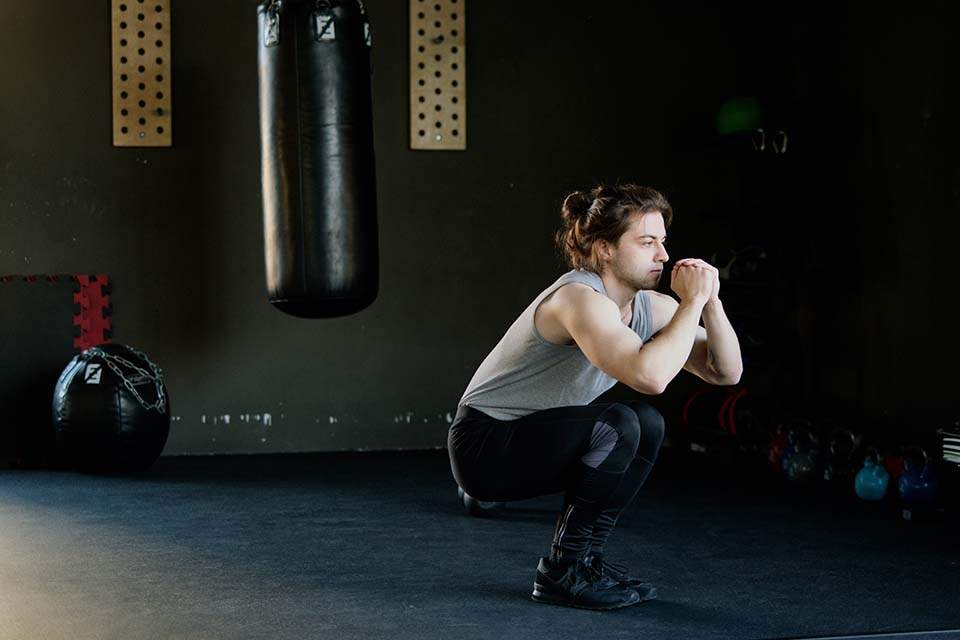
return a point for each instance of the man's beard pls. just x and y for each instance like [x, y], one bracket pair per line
[634, 281]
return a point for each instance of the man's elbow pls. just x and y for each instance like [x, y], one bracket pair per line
[728, 380]
[649, 386]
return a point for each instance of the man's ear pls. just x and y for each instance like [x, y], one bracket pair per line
[604, 249]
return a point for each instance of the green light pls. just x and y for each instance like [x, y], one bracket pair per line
[739, 114]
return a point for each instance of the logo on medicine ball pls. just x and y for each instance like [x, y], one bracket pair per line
[91, 375]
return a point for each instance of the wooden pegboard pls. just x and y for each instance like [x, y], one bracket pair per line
[141, 73]
[438, 88]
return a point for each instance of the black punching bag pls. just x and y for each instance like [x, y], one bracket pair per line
[316, 133]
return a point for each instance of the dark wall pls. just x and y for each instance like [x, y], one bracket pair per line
[857, 216]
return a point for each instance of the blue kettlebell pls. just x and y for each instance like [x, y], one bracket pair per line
[918, 482]
[872, 480]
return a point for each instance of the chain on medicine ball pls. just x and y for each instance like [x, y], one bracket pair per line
[111, 411]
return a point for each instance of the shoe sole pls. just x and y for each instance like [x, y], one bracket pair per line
[539, 595]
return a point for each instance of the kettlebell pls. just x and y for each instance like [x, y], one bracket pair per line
[918, 483]
[840, 466]
[802, 466]
[778, 445]
[872, 480]
[893, 463]
[791, 450]
[478, 508]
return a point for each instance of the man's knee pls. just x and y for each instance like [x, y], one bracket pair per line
[627, 424]
[615, 438]
[652, 426]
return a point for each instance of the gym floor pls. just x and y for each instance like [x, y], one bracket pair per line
[375, 545]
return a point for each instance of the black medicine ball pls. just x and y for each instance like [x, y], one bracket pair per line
[111, 411]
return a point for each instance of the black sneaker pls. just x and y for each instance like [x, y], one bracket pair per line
[574, 585]
[609, 574]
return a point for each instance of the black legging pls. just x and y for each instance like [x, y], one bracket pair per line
[598, 455]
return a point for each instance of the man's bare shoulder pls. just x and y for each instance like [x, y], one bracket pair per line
[580, 297]
[571, 297]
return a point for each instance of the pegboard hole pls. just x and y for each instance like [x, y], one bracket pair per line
[159, 129]
[142, 121]
[455, 132]
[123, 129]
[142, 103]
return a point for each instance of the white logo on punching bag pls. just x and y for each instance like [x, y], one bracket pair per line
[91, 375]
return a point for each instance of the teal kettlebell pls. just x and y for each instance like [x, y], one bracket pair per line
[872, 480]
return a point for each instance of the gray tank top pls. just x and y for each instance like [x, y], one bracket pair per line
[525, 373]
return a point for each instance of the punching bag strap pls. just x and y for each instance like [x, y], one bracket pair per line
[271, 36]
[324, 21]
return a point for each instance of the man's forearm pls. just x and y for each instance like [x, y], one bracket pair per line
[722, 344]
[663, 358]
